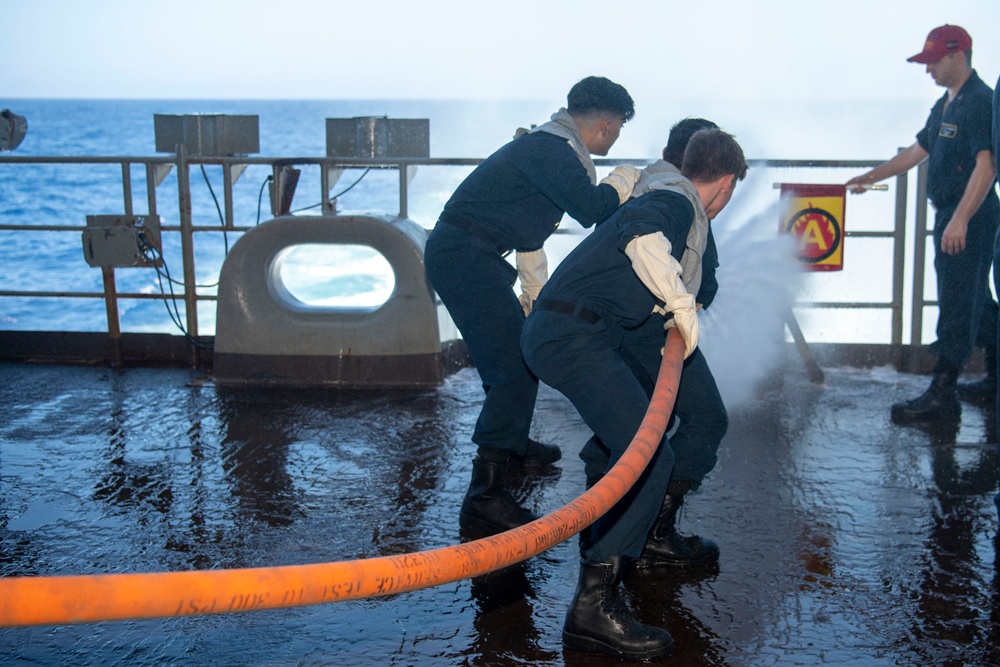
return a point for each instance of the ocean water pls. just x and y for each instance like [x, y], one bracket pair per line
[754, 275]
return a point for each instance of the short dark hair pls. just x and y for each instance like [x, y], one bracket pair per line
[595, 94]
[680, 134]
[712, 154]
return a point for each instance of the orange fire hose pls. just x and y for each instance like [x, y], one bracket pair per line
[116, 597]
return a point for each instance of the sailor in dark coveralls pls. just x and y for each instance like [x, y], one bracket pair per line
[957, 142]
[640, 268]
[513, 201]
[699, 412]
[996, 260]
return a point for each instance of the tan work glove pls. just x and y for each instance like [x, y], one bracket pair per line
[661, 273]
[532, 271]
[686, 321]
[623, 178]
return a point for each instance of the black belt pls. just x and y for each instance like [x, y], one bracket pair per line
[585, 314]
[477, 231]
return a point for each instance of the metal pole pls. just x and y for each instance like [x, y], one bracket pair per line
[403, 190]
[108, 278]
[127, 186]
[919, 263]
[151, 187]
[227, 190]
[324, 186]
[111, 305]
[187, 249]
[898, 267]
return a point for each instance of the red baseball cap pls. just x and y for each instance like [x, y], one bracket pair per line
[942, 41]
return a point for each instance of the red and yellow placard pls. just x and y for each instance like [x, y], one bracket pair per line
[814, 215]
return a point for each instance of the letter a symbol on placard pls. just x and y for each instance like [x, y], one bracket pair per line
[813, 235]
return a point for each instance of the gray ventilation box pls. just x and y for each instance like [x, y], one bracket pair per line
[378, 137]
[207, 134]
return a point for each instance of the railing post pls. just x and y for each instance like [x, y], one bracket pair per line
[324, 188]
[227, 194]
[187, 250]
[919, 264]
[151, 188]
[404, 173]
[114, 325]
[127, 186]
[898, 276]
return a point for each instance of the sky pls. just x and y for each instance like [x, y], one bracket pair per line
[451, 49]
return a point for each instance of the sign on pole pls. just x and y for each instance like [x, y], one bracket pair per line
[814, 216]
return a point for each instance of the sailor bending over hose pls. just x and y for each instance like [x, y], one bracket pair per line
[702, 416]
[513, 201]
[640, 268]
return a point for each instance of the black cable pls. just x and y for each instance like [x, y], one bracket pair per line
[146, 248]
[181, 283]
[260, 195]
[222, 218]
[339, 194]
[175, 314]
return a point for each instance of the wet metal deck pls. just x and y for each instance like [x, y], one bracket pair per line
[845, 540]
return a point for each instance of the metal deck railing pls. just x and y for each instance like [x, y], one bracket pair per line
[155, 169]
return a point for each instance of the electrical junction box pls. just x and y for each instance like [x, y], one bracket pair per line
[378, 137]
[122, 241]
[207, 134]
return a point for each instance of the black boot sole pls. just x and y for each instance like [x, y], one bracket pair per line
[538, 456]
[530, 462]
[591, 645]
[904, 418]
[648, 563]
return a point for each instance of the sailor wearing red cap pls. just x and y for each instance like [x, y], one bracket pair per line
[957, 143]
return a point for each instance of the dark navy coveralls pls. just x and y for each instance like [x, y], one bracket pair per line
[996, 252]
[512, 201]
[582, 339]
[698, 405]
[952, 137]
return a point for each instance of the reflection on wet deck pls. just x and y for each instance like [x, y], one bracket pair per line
[845, 539]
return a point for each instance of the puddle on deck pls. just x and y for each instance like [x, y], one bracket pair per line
[845, 540]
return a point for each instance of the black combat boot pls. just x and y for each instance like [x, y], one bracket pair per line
[983, 392]
[599, 620]
[939, 402]
[665, 546]
[538, 454]
[488, 506]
